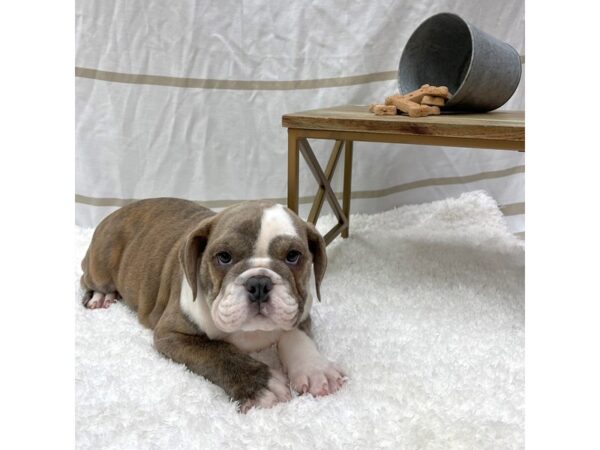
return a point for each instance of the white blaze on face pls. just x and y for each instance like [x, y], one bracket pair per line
[275, 222]
[232, 310]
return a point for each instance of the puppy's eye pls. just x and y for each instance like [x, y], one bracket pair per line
[293, 257]
[224, 258]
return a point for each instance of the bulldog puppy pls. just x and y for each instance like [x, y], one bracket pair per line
[215, 287]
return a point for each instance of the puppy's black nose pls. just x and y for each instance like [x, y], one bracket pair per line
[258, 288]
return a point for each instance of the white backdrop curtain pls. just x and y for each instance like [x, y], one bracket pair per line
[185, 99]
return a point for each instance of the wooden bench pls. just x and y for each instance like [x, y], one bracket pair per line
[502, 130]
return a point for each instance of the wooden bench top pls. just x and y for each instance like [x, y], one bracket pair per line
[496, 125]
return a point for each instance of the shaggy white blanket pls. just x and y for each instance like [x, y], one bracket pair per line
[424, 308]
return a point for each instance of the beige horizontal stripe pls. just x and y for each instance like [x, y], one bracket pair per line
[442, 181]
[513, 209]
[520, 235]
[207, 83]
[112, 202]
[252, 85]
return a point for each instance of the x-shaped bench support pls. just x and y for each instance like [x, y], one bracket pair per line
[299, 145]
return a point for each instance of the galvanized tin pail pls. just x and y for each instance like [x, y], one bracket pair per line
[480, 71]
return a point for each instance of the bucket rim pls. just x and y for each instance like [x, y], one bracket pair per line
[471, 53]
[517, 79]
[471, 58]
[455, 97]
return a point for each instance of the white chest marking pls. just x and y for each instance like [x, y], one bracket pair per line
[275, 222]
[198, 311]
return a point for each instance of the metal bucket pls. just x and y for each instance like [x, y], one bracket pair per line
[480, 71]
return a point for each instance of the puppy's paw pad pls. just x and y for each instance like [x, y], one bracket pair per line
[100, 300]
[277, 391]
[318, 377]
[95, 301]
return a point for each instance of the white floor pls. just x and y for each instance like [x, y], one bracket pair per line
[424, 308]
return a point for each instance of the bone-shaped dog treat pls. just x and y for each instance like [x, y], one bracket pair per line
[409, 107]
[430, 110]
[383, 110]
[433, 91]
[390, 99]
[437, 91]
[432, 101]
[443, 87]
[424, 101]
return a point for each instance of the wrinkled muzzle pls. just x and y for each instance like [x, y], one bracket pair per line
[257, 299]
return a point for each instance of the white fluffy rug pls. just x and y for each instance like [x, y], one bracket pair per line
[424, 308]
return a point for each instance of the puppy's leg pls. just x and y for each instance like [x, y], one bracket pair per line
[244, 379]
[307, 369]
[94, 293]
[95, 299]
[87, 296]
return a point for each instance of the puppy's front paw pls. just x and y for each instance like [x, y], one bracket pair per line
[318, 376]
[277, 391]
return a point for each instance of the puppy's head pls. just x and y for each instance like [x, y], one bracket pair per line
[252, 264]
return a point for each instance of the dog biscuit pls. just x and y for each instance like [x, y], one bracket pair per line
[409, 107]
[433, 91]
[432, 101]
[430, 110]
[424, 101]
[383, 110]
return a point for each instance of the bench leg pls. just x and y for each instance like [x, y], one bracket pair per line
[298, 144]
[293, 170]
[347, 185]
[317, 171]
[315, 211]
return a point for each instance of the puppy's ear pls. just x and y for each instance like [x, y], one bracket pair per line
[190, 255]
[316, 245]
